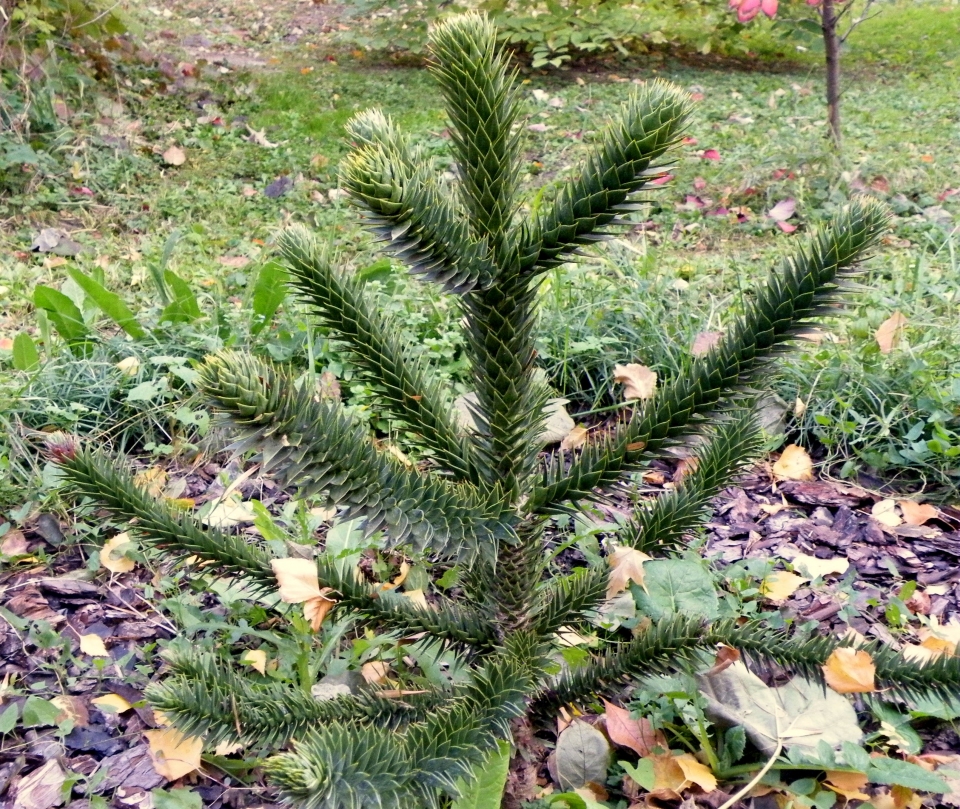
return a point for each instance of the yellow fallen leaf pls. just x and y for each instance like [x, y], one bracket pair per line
[848, 784]
[257, 658]
[940, 638]
[885, 512]
[111, 703]
[153, 480]
[626, 565]
[813, 568]
[316, 609]
[917, 513]
[575, 439]
[794, 464]
[129, 366]
[173, 754]
[375, 671]
[667, 773]
[799, 407]
[112, 554]
[227, 748]
[297, 580]
[780, 585]
[418, 598]
[639, 382]
[93, 645]
[850, 671]
[889, 334]
[696, 773]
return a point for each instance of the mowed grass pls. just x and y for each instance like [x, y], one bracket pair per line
[901, 118]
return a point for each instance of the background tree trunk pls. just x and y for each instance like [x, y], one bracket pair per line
[831, 44]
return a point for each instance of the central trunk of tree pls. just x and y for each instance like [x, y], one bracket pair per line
[831, 43]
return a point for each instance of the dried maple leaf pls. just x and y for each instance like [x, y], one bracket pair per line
[626, 565]
[850, 671]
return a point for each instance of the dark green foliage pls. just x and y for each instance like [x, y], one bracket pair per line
[485, 499]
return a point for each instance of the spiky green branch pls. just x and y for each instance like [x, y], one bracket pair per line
[317, 446]
[666, 523]
[407, 210]
[801, 290]
[630, 154]
[374, 343]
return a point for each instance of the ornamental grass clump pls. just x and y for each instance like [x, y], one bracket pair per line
[485, 500]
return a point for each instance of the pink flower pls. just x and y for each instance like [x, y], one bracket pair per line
[747, 9]
[769, 7]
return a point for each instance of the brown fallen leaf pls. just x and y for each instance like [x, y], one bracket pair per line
[726, 657]
[14, 543]
[850, 671]
[626, 565]
[72, 708]
[375, 671]
[890, 333]
[794, 464]
[299, 584]
[705, 341]
[316, 609]
[41, 789]
[639, 382]
[173, 754]
[917, 513]
[174, 156]
[636, 734]
[697, 773]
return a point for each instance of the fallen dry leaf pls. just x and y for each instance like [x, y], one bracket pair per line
[316, 609]
[626, 565]
[726, 657]
[154, 478]
[574, 439]
[72, 708]
[813, 568]
[917, 513]
[704, 341]
[41, 789]
[112, 554]
[14, 543]
[780, 585]
[697, 773]
[111, 703]
[93, 645]
[173, 754]
[375, 671]
[940, 638]
[174, 156]
[794, 464]
[636, 734]
[227, 748]
[297, 580]
[639, 382]
[847, 784]
[257, 658]
[850, 671]
[234, 262]
[889, 334]
[885, 512]
[418, 598]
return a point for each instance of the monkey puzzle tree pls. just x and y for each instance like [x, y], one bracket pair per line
[486, 500]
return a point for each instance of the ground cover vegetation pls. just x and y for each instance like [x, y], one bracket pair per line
[143, 240]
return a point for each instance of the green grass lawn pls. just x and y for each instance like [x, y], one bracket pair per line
[757, 138]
